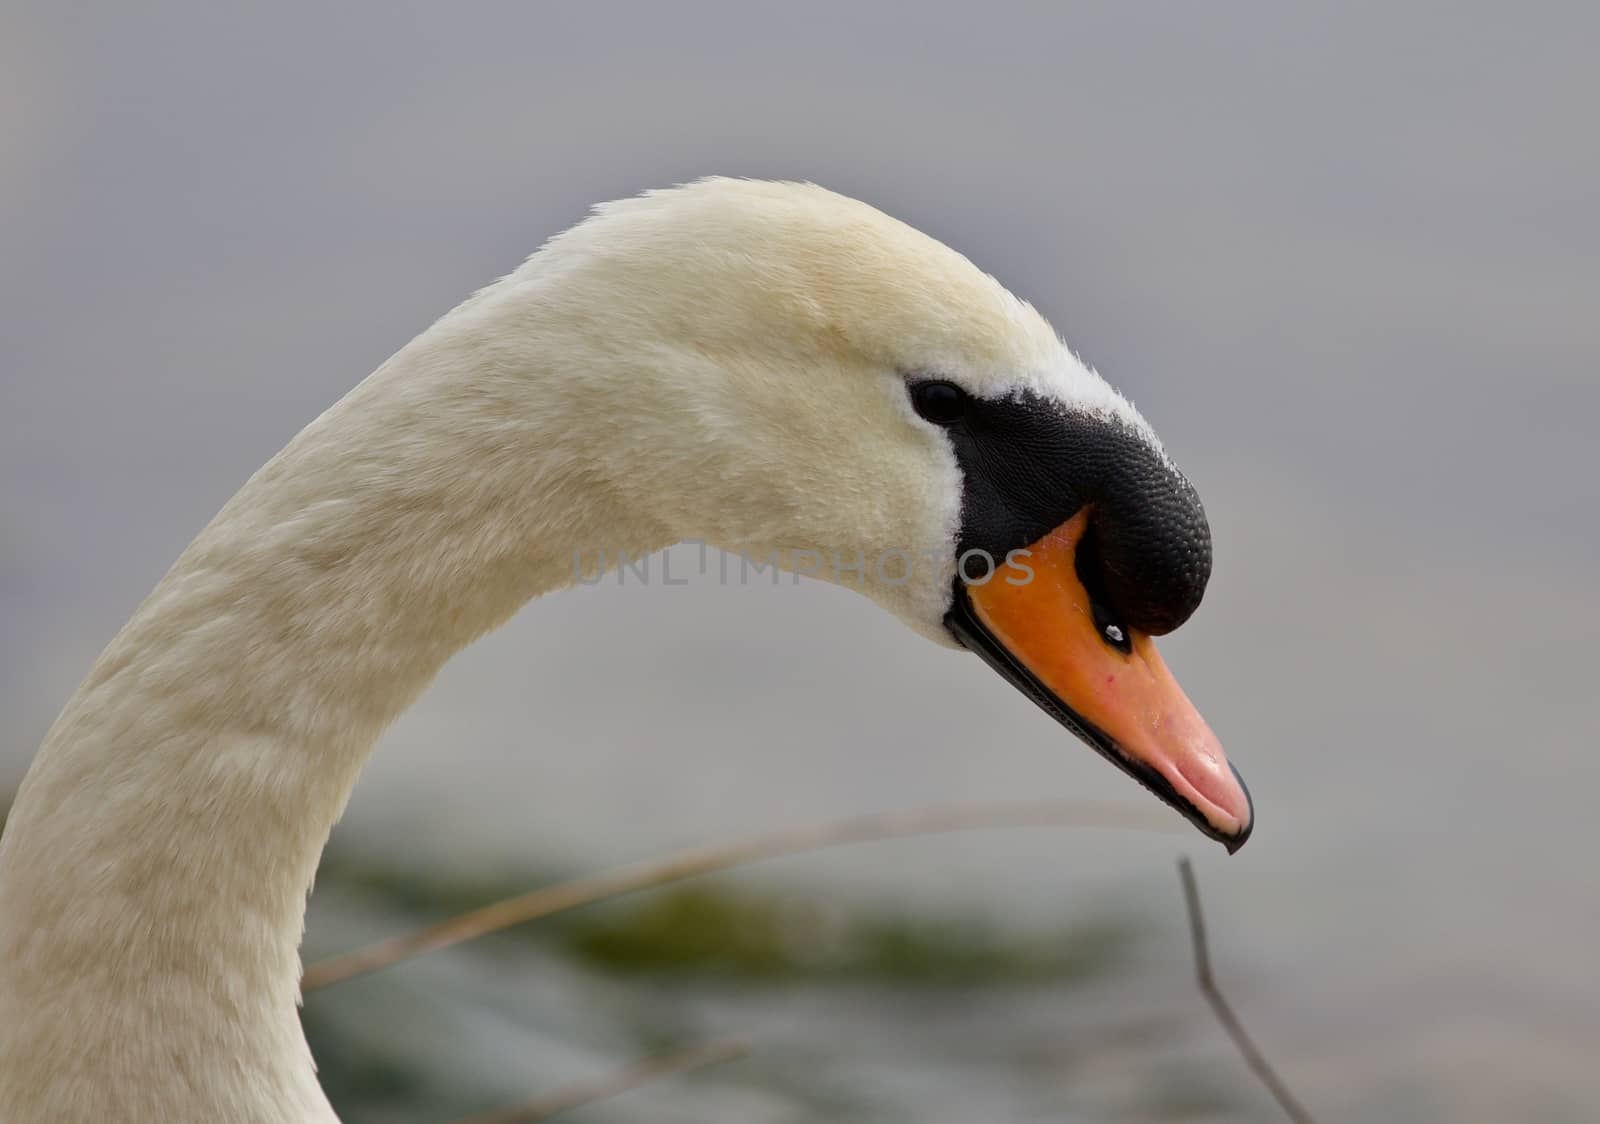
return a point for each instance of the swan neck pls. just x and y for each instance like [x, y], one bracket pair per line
[154, 873]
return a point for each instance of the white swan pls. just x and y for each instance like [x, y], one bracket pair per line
[766, 367]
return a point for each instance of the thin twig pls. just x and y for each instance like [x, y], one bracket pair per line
[686, 864]
[1230, 1022]
[629, 1077]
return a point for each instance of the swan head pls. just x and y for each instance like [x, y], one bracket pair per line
[802, 378]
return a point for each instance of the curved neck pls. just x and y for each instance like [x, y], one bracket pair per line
[154, 873]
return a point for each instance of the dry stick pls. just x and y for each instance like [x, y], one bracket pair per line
[686, 864]
[630, 1077]
[1230, 1022]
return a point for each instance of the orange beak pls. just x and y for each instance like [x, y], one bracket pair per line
[1108, 686]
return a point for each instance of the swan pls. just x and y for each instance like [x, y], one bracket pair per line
[770, 368]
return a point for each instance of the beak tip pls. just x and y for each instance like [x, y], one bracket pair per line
[1242, 836]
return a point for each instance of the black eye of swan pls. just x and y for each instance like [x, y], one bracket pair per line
[942, 403]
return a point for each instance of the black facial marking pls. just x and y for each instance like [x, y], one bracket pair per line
[1028, 465]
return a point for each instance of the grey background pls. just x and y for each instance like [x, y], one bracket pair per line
[1343, 256]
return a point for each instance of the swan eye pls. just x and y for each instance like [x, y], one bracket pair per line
[942, 403]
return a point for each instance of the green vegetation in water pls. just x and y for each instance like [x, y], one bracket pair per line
[707, 930]
[716, 930]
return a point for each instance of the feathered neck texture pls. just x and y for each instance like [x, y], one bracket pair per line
[154, 873]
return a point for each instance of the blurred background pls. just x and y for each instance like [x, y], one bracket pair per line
[1344, 257]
